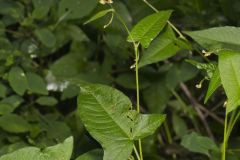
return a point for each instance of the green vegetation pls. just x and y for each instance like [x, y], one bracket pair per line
[119, 80]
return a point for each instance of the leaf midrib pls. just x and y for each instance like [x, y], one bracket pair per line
[123, 131]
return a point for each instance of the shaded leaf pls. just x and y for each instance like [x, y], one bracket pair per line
[198, 144]
[14, 123]
[6, 108]
[47, 101]
[74, 9]
[36, 84]
[61, 151]
[46, 37]
[18, 80]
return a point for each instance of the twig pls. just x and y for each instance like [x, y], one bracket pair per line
[198, 110]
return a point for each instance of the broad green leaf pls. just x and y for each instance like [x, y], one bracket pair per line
[6, 108]
[75, 9]
[46, 37]
[149, 27]
[14, 100]
[99, 15]
[14, 123]
[229, 68]
[67, 66]
[18, 80]
[3, 90]
[91, 155]
[161, 48]
[215, 82]
[36, 84]
[47, 101]
[217, 38]
[70, 92]
[62, 151]
[179, 126]
[106, 114]
[41, 8]
[198, 144]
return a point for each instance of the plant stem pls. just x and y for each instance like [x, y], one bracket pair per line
[136, 45]
[136, 152]
[168, 134]
[137, 92]
[225, 139]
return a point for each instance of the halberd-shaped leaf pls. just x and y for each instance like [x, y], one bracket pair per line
[149, 27]
[229, 68]
[161, 48]
[18, 80]
[107, 115]
[61, 151]
[217, 38]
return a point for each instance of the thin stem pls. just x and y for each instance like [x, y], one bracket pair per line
[136, 45]
[169, 137]
[225, 138]
[136, 153]
[173, 27]
[185, 109]
[231, 124]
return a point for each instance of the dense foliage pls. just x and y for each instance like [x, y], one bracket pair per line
[85, 80]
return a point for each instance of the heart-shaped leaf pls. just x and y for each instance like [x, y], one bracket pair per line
[107, 115]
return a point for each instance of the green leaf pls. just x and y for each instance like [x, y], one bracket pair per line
[198, 144]
[14, 100]
[47, 101]
[161, 48]
[3, 91]
[107, 115]
[41, 8]
[75, 9]
[62, 151]
[36, 84]
[99, 15]
[229, 68]
[179, 126]
[217, 38]
[6, 108]
[215, 82]
[91, 155]
[149, 27]
[14, 123]
[18, 80]
[46, 37]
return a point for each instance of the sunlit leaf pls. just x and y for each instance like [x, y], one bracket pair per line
[148, 28]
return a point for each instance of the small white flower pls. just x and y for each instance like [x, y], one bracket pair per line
[105, 1]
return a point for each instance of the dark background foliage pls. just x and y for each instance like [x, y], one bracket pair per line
[44, 46]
